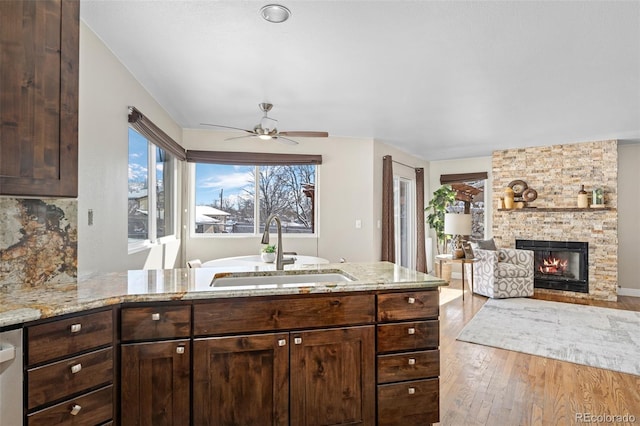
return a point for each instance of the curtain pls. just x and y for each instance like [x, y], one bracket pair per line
[421, 256]
[154, 134]
[388, 234]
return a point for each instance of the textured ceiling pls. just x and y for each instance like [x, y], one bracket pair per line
[438, 79]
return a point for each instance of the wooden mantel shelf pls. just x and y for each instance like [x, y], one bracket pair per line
[557, 209]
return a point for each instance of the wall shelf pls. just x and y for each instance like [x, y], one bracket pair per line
[557, 209]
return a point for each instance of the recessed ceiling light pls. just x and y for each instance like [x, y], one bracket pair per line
[275, 13]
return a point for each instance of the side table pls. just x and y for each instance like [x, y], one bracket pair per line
[447, 258]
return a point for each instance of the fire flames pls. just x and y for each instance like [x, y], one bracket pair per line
[553, 265]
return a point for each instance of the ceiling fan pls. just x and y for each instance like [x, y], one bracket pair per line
[266, 129]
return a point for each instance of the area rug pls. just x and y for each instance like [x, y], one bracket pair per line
[598, 337]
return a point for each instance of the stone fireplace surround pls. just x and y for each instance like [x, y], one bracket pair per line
[556, 173]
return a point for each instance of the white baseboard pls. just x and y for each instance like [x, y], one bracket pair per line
[634, 292]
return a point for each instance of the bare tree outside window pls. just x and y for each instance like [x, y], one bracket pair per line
[232, 191]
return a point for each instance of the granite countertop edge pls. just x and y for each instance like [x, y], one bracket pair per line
[20, 303]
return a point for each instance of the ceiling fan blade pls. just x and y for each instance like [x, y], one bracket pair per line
[241, 137]
[305, 134]
[227, 127]
[285, 140]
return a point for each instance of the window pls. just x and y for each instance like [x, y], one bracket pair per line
[237, 199]
[470, 195]
[151, 213]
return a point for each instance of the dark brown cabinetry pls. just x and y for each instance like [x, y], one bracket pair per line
[39, 46]
[155, 376]
[70, 369]
[155, 379]
[331, 371]
[333, 376]
[408, 362]
[241, 380]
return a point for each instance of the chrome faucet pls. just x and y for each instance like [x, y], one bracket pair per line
[280, 261]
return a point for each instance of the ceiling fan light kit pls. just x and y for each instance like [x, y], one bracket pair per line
[275, 13]
[264, 132]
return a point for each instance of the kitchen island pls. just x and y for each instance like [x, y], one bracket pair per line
[359, 350]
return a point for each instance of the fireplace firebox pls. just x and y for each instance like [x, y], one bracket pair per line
[559, 265]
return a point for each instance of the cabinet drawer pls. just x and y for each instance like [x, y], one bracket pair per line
[153, 322]
[414, 403]
[246, 315]
[408, 336]
[68, 336]
[60, 379]
[408, 366]
[408, 306]
[89, 409]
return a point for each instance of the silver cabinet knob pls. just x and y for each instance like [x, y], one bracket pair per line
[155, 316]
[282, 342]
[76, 368]
[411, 330]
[412, 361]
[75, 409]
[297, 340]
[411, 300]
[180, 350]
[412, 391]
[75, 328]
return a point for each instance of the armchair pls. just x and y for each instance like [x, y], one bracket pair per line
[503, 273]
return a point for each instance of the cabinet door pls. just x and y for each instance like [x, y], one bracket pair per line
[39, 47]
[155, 383]
[241, 380]
[333, 377]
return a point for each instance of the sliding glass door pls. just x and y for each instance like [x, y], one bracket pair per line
[404, 218]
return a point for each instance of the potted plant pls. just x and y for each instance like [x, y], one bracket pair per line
[442, 198]
[268, 254]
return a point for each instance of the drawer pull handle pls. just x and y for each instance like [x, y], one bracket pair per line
[180, 350]
[412, 361]
[76, 368]
[75, 328]
[282, 342]
[412, 391]
[155, 316]
[297, 340]
[411, 330]
[75, 409]
[411, 300]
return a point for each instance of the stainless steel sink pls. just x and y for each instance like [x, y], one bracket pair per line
[279, 280]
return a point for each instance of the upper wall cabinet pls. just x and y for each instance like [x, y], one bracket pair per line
[39, 55]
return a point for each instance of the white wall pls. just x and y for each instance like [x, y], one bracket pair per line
[106, 90]
[628, 224]
[344, 193]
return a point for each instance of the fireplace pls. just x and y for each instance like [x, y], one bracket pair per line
[559, 265]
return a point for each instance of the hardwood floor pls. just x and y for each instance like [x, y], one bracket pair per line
[480, 385]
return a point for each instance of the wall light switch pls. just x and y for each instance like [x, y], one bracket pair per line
[358, 224]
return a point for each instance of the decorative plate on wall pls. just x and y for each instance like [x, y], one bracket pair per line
[529, 195]
[518, 187]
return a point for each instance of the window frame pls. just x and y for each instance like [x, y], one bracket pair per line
[257, 222]
[152, 197]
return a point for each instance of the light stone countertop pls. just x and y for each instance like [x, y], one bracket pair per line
[22, 303]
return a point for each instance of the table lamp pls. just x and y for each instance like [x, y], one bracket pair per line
[457, 225]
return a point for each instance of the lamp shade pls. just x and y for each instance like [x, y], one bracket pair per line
[457, 224]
